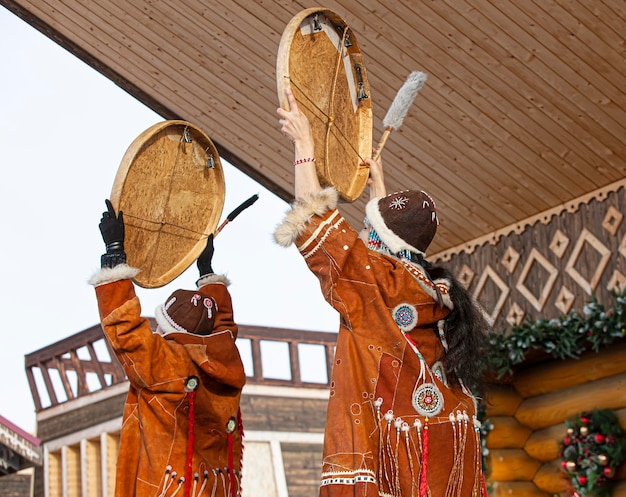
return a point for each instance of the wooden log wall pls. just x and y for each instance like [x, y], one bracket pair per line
[554, 266]
[16, 485]
[528, 415]
[543, 271]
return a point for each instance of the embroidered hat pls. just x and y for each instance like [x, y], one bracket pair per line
[188, 312]
[405, 220]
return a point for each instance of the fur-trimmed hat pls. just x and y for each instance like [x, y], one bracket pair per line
[405, 220]
[188, 312]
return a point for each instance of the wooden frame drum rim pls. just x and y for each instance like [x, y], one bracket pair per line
[320, 59]
[170, 187]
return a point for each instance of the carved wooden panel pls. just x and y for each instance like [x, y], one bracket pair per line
[550, 268]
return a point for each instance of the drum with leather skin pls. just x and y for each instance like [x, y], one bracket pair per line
[170, 187]
[320, 59]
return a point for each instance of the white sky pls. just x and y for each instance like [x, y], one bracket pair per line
[64, 129]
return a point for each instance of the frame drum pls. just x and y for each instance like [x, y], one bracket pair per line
[319, 58]
[170, 187]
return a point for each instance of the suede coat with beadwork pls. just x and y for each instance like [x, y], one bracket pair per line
[394, 422]
[154, 444]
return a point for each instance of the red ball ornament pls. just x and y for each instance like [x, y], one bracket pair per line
[585, 451]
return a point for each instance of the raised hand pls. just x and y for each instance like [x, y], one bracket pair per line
[376, 179]
[295, 125]
[113, 233]
[112, 229]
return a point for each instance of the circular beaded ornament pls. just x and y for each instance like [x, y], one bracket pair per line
[405, 316]
[192, 383]
[427, 400]
[231, 425]
[439, 372]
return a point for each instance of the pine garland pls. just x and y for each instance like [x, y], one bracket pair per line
[565, 337]
[595, 445]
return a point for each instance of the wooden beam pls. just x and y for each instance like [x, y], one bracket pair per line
[512, 465]
[552, 408]
[517, 489]
[543, 445]
[551, 478]
[507, 433]
[557, 375]
[502, 400]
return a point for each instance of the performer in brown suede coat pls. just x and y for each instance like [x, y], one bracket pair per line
[401, 417]
[181, 429]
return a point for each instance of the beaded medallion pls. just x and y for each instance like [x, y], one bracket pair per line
[405, 316]
[439, 372]
[427, 400]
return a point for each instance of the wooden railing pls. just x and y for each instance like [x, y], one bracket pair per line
[84, 363]
[293, 339]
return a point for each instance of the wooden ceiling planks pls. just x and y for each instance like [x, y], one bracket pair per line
[450, 173]
[524, 109]
[462, 74]
[506, 88]
[153, 48]
[568, 83]
[461, 149]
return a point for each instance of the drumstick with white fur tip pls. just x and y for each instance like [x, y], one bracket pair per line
[400, 106]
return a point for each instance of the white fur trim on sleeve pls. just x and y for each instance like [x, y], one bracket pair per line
[302, 210]
[207, 279]
[117, 273]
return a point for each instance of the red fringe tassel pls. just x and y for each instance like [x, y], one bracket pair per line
[234, 490]
[424, 472]
[241, 435]
[484, 485]
[231, 467]
[190, 442]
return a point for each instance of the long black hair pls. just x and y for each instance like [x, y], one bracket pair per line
[466, 330]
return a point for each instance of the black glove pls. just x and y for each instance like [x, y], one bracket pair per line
[112, 230]
[204, 261]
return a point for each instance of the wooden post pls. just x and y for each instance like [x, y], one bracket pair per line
[294, 362]
[257, 362]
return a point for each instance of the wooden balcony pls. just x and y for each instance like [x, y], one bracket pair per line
[84, 363]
